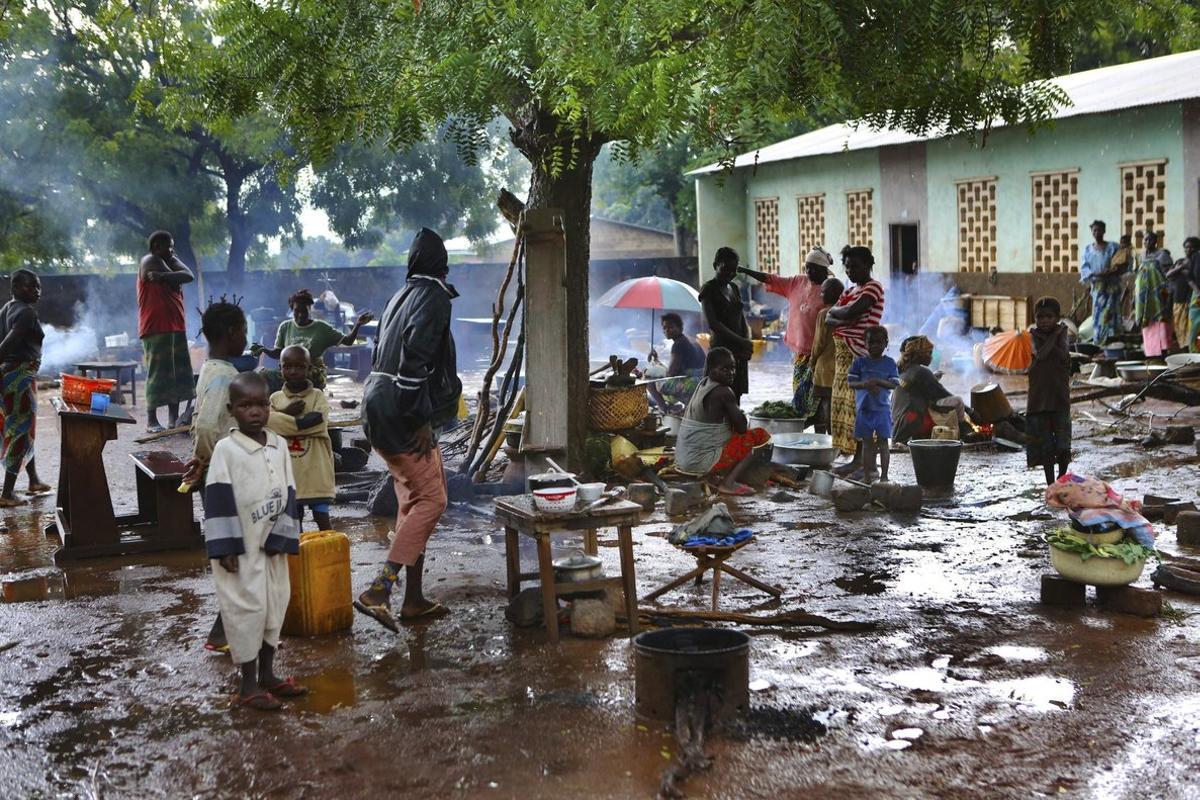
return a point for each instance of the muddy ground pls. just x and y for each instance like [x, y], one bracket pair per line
[967, 687]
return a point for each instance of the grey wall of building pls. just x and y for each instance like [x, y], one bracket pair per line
[903, 197]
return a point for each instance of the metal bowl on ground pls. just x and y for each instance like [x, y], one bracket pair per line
[1095, 571]
[578, 568]
[1183, 359]
[1132, 371]
[774, 426]
[810, 449]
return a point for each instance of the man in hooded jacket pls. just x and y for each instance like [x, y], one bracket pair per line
[413, 389]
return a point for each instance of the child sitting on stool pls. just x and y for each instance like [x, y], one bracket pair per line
[300, 414]
[250, 527]
[873, 377]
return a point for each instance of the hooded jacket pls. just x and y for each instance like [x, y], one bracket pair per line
[414, 372]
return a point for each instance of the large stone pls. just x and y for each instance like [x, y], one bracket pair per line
[908, 499]
[684, 498]
[525, 610]
[1130, 600]
[1188, 527]
[850, 498]
[592, 619]
[381, 501]
[881, 492]
[1171, 511]
[1058, 591]
[644, 494]
[1180, 434]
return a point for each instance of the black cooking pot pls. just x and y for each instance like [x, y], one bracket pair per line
[550, 480]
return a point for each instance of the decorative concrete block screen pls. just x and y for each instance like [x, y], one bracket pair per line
[976, 224]
[766, 234]
[1056, 221]
[1144, 199]
[860, 214]
[810, 212]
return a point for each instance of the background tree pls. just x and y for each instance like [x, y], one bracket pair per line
[571, 75]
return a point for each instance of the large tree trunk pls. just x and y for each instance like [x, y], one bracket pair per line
[182, 234]
[571, 191]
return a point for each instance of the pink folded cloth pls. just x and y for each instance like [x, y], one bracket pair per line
[1092, 501]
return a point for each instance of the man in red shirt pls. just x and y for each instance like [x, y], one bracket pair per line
[162, 329]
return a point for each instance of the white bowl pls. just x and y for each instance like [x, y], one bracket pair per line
[1183, 359]
[555, 500]
[591, 491]
[1095, 571]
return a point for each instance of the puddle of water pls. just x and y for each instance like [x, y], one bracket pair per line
[26, 590]
[329, 690]
[925, 679]
[867, 582]
[1039, 693]
[911, 734]
[9, 718]
[1015, 652]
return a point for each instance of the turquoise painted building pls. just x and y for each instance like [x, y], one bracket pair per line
[1017, 207]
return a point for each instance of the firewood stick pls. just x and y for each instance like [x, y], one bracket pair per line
[783, 618]
[153, 437]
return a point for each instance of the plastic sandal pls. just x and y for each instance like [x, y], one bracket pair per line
[381, 614]
[433, 612]
[260, 701]
[287, 688]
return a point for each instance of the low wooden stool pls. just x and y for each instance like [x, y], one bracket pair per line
[713, 558]
[519, 517]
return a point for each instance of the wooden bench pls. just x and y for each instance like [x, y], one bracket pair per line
[164, 520]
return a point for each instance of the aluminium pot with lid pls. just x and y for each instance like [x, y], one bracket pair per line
[551, 480]
[577, 568]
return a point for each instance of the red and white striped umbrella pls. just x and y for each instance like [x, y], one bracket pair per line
[653, 293]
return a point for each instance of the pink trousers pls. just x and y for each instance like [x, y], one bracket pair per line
[421, 491]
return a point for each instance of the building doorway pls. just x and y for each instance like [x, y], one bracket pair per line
[904, 249]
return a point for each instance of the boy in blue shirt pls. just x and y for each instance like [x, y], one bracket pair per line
[873, 377]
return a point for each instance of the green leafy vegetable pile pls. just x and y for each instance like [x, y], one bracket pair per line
[775, 409]
[1127, 550]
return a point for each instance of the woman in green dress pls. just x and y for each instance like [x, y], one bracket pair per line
[314, 335]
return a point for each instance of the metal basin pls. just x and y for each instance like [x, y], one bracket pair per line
[812, 449]
[673, 664]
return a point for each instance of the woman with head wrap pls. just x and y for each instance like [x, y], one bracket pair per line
[860, 307]
[921, 402]
[803, 293]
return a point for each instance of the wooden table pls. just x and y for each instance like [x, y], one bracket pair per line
[714, 558]
[358, 356]
[85, 523]
[119, 369]
[518, 516]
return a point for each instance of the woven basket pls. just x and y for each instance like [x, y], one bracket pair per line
[617, 409]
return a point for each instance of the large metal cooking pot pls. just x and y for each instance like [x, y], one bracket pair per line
[989, 403]
[672, 663]
[578, 568]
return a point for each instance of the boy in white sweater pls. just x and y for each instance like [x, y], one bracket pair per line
[250, 527]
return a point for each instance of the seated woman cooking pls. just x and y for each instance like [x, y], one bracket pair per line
[921, 402]
[714, 439]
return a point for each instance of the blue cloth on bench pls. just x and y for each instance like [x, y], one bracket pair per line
[720, 541]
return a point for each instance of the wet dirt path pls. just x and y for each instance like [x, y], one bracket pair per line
[968, 688]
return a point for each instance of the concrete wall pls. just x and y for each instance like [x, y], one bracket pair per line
[721, 218]
[1191, 174]
[108, 303]
[832, 175]
[903, 199]
[1094, 144]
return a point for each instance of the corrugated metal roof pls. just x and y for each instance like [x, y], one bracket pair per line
[1140, 83]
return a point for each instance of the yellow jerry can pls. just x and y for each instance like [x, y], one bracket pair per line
[320, 577]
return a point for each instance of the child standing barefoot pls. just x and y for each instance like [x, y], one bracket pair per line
[1048, 412]
[250, 526]
[822, 360]
[873, 377]
[300, 414]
